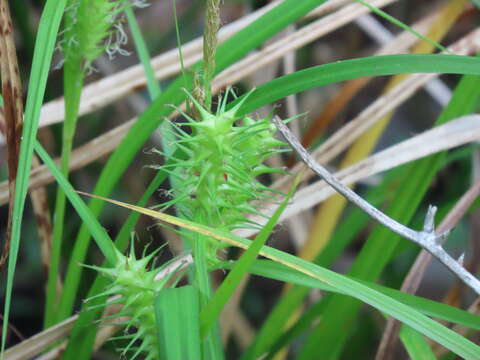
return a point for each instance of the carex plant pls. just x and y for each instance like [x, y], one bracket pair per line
[224, 151]
[222, 157]
[226, 154]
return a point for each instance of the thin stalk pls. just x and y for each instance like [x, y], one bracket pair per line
[427, 238]
[212, 346]
[73, 83]
[212, 24]
[153, 86]
[179, 43]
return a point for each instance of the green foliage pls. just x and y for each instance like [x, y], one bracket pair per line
[177, 313]
[44, 47]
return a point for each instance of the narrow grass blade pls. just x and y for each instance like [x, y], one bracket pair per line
[44, 46]
[12, 111]
[416, 346]
[178, 323]
[214, 307]
[273, 270]
[350, 69]
[73, 78]
[401, 25]
[98, 232]
[153, 86]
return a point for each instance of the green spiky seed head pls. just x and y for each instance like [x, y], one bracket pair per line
[219, 181]
[136, 285]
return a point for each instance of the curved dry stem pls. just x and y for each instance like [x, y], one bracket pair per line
[426, 238]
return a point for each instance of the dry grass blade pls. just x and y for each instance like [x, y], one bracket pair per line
[36, 344]
[294, 41]
[400, 44]
[416, 272]
[346, 135]
[83, 155]
[104, 92]
[427, 238]
[13, 108]
[455, 133]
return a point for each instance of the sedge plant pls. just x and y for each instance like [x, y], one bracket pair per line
[214, 173]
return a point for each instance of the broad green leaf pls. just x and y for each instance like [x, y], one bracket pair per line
[178, 323]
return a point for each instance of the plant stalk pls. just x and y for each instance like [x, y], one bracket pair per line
[427, 238]
[73, 83]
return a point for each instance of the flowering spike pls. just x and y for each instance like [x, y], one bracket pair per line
[226, 155]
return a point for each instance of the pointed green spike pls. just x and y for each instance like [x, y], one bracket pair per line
[234, 109]
[203, 113]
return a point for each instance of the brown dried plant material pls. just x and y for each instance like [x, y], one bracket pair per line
[12, 129]
[13, 109]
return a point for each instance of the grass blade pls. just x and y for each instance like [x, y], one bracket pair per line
[415, 344]
[44, 46]
[178, 323]
[273, 270]
[212, 310]
[98, 232]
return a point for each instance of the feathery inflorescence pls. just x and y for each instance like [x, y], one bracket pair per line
[92, 27]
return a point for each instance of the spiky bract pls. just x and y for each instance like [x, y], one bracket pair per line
[226, 154]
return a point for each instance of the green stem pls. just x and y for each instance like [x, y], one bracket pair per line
[212, 347]
[152, 84]
[73, 82]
